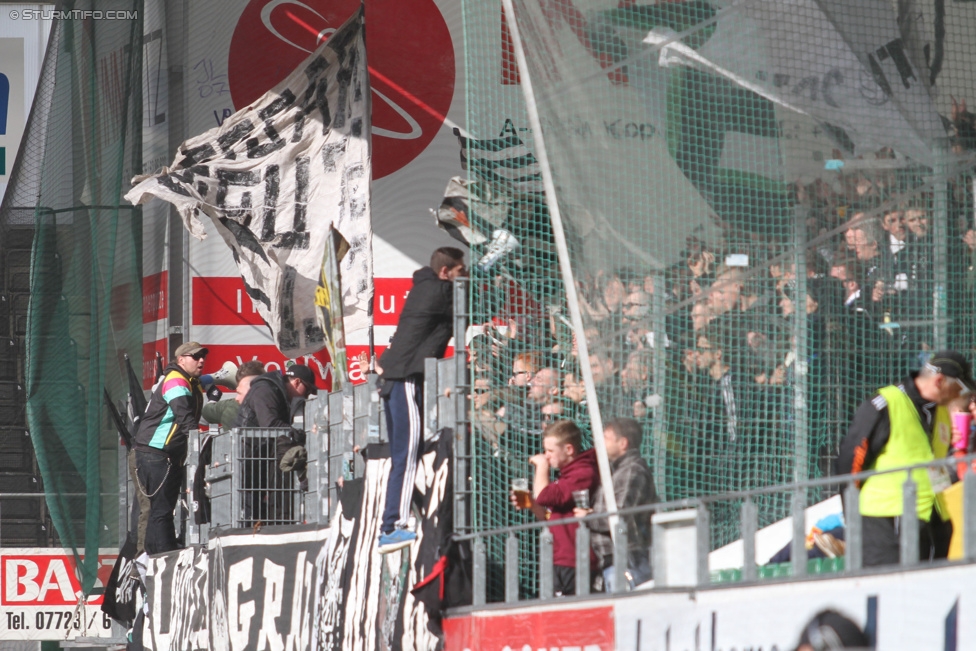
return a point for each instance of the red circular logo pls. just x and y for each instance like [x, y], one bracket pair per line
[410, 55]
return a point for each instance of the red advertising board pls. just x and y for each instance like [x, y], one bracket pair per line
[39, 591]
[583, 629]
[223, 301]
[273, 360]
[154, 305]
[388, 298]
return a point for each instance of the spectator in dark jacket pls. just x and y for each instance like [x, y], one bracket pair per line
[425, 327]
[562, 442]
[272, 401]
[161, 442]
[271, 398]
[224, 412]
[632, 486]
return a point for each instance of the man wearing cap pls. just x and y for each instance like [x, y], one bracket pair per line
[275, 397]
[273, 400]
[424, 328]
[161, 442]
[903, 425]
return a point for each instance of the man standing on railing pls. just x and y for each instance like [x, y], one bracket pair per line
[903, 425]
[425, 327]
[562, 442]
[161, 442]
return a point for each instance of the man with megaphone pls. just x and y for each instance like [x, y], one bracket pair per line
[160, 442]
[237, 379]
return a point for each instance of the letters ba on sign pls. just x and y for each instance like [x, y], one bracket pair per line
[39, 592]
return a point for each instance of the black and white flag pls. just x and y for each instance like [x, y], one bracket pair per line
[273, 178]
[505, 163]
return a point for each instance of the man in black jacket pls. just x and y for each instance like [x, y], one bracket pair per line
[272, 401]
[425, 327]
[269, 400]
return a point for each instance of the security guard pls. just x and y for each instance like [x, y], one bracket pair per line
[903, 425]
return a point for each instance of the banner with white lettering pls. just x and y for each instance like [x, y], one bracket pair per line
[275, 175]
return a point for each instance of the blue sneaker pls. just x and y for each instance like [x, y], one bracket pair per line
[396, 539]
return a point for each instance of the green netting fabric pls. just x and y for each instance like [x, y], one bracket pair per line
[769, 214]
[81, 145]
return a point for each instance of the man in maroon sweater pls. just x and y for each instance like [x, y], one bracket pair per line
[562, 442]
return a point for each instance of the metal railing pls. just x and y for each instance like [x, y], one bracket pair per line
[680, 557]
[246, 486]
[338, 427]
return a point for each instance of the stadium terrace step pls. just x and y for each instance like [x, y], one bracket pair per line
[815, 566]
[16, 450]
[24, 533]
[19, 482]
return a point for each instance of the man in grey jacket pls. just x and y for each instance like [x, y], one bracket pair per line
[632, 486]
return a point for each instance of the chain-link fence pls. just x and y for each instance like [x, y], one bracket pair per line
[768, 213]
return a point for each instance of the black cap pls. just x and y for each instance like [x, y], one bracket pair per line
[953, 364]
[304, 374]
[830, 630]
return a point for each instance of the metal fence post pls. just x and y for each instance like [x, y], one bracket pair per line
[620, 583]
[749, 517]
[479, 567]
[583, 559]
[430, 398]
[124, 494]
[219, 474]
[193, 530]
[909, 522]
[446, 380]
[375, 407]
[511, 568]
[462, 469]
[360, 415]
[545, 564]
[798, 548]
[703, 538]
[969, 508]
[356, 462]
[340, 466]
[852, 528]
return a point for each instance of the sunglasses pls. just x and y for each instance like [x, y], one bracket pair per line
[964, 390]
[197, 356]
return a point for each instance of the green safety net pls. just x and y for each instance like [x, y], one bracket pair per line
[82, 312]
[768, 208]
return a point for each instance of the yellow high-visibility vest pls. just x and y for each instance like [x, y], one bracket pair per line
[908, 444]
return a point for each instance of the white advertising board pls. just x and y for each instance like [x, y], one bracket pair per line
[39, 592]
[922, 609]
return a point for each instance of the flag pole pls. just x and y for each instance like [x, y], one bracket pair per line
[572, 299]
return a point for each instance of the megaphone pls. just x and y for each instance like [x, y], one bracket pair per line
[225, 377]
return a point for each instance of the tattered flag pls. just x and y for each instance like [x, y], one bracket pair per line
[273, 178]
